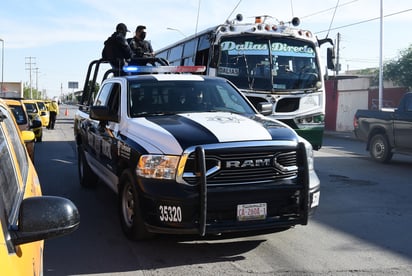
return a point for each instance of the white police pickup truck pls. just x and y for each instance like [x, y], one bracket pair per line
[189, 154]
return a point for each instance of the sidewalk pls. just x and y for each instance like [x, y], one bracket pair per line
[340, 134]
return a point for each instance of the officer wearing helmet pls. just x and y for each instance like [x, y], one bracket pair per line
[116, 49]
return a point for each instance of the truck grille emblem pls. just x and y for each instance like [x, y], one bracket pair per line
[251, 163]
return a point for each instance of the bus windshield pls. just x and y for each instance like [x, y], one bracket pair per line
[269, 64]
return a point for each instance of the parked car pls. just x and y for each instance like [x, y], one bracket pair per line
[386, 131]
[26, 217]
[44, 112]
[34, 115]
[24, 123]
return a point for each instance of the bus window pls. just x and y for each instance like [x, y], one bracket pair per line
[176, 53]
[204, 42]
[190, 48]
[162, 55]
[188, 61]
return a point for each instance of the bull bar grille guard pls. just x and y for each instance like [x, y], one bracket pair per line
[303, 174]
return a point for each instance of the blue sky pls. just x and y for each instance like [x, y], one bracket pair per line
[64, 36]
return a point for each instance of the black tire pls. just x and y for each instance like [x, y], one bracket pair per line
[87, 177]
[129, 209]
[40, 138]
[379, 148]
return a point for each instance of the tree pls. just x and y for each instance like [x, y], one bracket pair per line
[27, 94]
[399, 70]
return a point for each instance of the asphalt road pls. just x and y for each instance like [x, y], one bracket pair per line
[362, 226]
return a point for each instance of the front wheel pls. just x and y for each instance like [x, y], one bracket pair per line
[380, 149]
[86, 176]
[129, 208]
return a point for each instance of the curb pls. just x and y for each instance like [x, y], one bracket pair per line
[340, 134]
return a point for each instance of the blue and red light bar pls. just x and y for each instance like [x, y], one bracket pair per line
[163, 69]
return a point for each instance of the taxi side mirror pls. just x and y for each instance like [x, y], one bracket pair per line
[27, 135]
[45, 217]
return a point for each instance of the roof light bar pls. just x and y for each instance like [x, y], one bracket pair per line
[163, 69]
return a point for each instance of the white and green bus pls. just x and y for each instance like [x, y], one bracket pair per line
[271, 63]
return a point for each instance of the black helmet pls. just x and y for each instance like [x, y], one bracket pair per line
[121, 27]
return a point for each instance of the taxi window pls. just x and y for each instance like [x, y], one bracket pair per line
[19, 114]
[9, 184]
[42, 106]
[31, 107]
[19, 147]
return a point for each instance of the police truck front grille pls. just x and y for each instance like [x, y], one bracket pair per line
[252, 167]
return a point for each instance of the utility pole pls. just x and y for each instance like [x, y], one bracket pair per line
[337, 54]
[29, 64]
[37, 79]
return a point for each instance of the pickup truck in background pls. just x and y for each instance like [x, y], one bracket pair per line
[386, 131]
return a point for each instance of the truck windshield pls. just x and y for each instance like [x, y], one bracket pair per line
[172, 97]
[268, 63]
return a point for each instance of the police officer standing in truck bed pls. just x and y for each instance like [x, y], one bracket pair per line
[116, 49]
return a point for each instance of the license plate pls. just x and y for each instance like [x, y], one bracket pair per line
[256, 211]
[315, 199]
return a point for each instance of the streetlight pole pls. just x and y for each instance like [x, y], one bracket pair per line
[380, 56]
[2, 64]
[177, 30]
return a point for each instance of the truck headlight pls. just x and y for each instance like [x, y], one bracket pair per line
[157, 166]
[309, 154]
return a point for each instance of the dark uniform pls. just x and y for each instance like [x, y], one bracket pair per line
[138, 44]
[116, 49]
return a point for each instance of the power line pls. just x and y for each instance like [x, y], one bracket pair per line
[363, 21]
[333, 17]
[326, 10]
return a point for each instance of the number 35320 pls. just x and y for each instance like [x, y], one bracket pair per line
[168, 213]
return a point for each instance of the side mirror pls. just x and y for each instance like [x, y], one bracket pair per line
[265, 108]
[27, 136]
[330, 56]
[103, 113]
[45, 217]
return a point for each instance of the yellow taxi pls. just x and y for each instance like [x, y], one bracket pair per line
[22, 119]
[34, 113]
[26, 217]
[44, 112]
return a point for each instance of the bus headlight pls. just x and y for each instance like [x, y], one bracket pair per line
[310, 121]
[157, 166]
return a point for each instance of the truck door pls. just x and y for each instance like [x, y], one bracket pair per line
[403, 124]
[102, 134]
